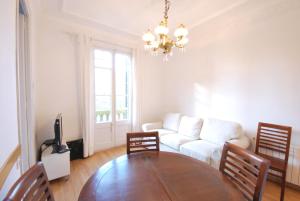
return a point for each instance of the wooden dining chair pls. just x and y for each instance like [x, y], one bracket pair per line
[142, 141]
[31, 186]
[273, 143]
[246, 170]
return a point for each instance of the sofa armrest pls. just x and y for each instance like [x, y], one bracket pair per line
[152, 126]
[243, 142]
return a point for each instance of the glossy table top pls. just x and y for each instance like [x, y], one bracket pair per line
[157, 176]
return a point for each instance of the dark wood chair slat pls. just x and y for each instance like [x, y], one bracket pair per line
[142, 141]
[33, 185]
[251, 188]
[278, 141]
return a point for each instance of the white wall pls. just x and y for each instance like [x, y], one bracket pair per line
[151, 87]
[241, 66]
[8, 97]
[55, 82]
[57, 77]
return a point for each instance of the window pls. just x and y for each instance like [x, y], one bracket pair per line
[112, 85]
[123, 66]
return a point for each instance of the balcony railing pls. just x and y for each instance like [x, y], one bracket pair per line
[105, 115]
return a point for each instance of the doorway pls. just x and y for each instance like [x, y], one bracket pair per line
[113, 96]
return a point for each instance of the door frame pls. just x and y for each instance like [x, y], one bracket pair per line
[113, 49]
[23, 70]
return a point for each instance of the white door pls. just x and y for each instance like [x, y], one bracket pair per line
[113, 96]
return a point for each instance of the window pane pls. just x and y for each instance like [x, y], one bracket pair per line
[122, 108]
[122, 70]
[123, 63]
[102, 58]
[103, 81]
[103, 109]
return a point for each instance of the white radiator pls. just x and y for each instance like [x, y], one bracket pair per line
[293, 171]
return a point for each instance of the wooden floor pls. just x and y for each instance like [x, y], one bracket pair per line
[68, 189]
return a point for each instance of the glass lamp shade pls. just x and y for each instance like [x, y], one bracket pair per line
[161, 30]
[155, 44]
[181, 31]
[182, 42]
[148, 36]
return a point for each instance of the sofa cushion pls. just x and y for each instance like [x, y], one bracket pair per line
[151, 126]
[202, 150]
[174, 140]
[219, 131]
[171, 121]
[243, 141]
[163, 131]
[190, 127]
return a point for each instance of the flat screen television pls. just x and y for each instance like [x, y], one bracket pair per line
[58, 131]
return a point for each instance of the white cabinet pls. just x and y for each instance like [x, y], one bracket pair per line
[56, 164]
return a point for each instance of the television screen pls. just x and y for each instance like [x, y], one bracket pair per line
[58, 130]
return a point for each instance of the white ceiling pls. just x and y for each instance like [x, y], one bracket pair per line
[136, 16]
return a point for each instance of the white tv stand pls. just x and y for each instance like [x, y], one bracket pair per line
[56, 164]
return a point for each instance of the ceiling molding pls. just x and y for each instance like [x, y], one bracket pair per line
[241, 21]
[91, 21]
[94, 24]
[252, 11]
[58, 13]
[218, 13]
[59, 10]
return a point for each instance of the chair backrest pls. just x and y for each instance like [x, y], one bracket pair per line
[142, 141]
[276, 138]
[245, 169]
[31, 186]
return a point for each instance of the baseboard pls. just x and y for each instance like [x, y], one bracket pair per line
[288, 184]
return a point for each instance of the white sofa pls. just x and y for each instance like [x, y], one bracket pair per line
[198, 138]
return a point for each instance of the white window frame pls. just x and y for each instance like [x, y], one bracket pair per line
[113, 49]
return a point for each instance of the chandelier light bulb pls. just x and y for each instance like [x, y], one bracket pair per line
[148, 36]
[161, 29]
[182, 41]
[181, 31]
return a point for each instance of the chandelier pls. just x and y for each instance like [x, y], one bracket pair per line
[161, 42]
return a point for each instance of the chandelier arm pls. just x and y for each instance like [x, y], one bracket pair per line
[167, 7]
[178, 46]
[162, 42]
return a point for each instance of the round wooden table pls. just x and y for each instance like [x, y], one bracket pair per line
[156, 176]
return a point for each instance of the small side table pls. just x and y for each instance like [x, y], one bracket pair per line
[56, 164]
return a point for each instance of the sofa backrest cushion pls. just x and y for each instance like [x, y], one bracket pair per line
[171, 121]
[219, 131]
[190, 127]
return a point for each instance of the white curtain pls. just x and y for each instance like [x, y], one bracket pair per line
[136, 102]
[85, 74]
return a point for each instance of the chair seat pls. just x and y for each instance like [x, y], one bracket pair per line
[276, 163]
